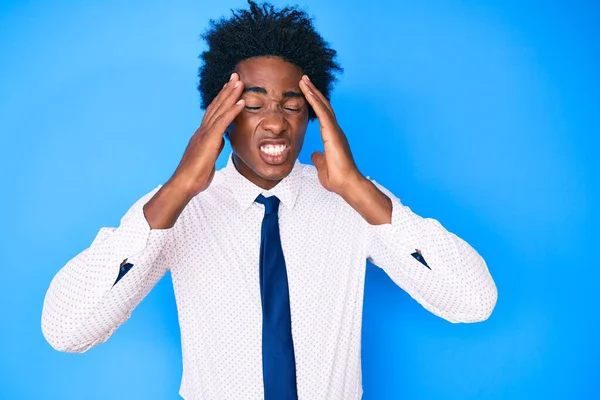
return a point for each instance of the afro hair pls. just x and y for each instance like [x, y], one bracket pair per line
[262, 30]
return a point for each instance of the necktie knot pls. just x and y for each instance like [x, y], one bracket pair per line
[271, 204]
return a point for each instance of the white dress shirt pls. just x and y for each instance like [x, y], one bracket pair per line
[213, 254]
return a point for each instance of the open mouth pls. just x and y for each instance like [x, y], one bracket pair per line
[274, 153]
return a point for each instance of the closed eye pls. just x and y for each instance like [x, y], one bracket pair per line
[292, 109]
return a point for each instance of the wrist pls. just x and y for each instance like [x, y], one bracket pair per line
[355, 187]
[179, 188]
[164, 208]
[372, 204]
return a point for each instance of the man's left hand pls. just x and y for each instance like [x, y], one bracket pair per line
[336, 169]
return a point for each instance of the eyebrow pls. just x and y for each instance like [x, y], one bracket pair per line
[262, 90]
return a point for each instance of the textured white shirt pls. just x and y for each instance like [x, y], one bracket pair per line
[213, 254]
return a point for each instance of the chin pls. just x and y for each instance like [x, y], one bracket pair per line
[273, 172]
[264, 171]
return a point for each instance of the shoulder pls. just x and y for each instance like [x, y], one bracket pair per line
[313, 192]
[308, 172]
[216, 196]
[310, 180]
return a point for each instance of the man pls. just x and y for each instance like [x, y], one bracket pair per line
[267, 255]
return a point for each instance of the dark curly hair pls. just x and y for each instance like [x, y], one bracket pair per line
[264, 31]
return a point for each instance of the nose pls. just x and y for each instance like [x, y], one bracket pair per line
[274, 122]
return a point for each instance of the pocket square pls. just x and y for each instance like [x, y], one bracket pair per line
[419, 257]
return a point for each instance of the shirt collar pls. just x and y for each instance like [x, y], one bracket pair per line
[246, 192]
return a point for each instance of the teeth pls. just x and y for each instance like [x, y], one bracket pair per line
[273, 150]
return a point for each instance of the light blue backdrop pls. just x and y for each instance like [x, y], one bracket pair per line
[483, 115]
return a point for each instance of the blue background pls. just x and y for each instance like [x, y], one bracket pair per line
[483, 115]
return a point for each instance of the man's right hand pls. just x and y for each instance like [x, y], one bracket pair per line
[197, 166]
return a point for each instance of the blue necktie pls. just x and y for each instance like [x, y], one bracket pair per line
[279, 366]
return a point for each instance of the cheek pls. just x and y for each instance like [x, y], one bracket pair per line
[241, 131]
[247, 121]
[299, 126]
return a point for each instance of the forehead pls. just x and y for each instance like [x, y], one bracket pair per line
[269, 72]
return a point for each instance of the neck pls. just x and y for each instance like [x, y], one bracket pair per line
[249, 174]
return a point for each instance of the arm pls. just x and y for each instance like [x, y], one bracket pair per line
[435, 267]
[91, 296]
[161, 212]
[83, 306]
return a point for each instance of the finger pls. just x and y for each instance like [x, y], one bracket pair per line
[319, 162]
[210, 110]
[318, 93]
[223, 93]
[228, 100]
[222, 121]
[318, 159]
[323, 113]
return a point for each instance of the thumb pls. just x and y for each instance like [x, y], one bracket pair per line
[318, 160]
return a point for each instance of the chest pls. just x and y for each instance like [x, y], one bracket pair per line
[218, 253]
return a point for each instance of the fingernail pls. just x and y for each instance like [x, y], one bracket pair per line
[231, 77]
[225, 85]
[236, 84]
[240, 101]
[306, 77]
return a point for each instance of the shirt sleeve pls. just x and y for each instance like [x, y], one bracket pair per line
[83, 306]
[435, 267]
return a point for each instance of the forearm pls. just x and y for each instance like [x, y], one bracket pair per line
[455, 285]
[436, 267]
[370, 202]
[81, 307]
[165, 207]
[161, 212]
